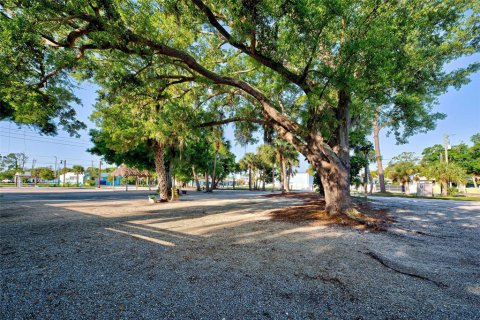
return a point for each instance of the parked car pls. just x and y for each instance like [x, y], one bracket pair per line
[7, 181]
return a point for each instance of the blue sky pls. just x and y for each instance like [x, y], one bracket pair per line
[462, 108]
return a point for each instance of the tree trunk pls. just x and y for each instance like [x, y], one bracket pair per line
[77, 181]
[282, 181]
[263, 178]
[474, 182]
[336, 185]
[405, 187]
[365, 183]
[214, 174]
[171, 180]
[207, 187]
[249, 178]
[195, 177]
[169, 175]
[273, 178]
[444, 189]
[289, 175]
[378, 157]
[217, 180]
[335, 173]
[286, 187]
[159, 150]
[371, 180]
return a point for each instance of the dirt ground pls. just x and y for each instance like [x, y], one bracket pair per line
[103, 255]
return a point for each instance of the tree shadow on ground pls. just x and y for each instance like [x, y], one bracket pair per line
[230, 252]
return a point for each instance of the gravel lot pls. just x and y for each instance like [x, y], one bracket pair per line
[103, 255]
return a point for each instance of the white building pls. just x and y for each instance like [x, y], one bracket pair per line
[71, 178]
[301, 181]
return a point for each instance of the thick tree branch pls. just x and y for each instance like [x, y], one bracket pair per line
[299, 80]
[266, 104]
[209, 97]
[287, 128]
[175, 77]
[45, 78]
[234, 119]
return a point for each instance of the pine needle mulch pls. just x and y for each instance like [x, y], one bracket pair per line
[312, 212]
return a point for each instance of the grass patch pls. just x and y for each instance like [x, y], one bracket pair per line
[45, 185]
[398, 195]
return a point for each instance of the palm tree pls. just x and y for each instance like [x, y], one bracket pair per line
[286, 154]
[35, 174]
[247, 163]
[267, 154]
[364, 149]
[291, 158]
[444, 173]
[401, 168]
[78, 170]
[217, 140]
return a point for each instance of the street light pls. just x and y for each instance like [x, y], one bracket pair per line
[64, 170]
[56, 173]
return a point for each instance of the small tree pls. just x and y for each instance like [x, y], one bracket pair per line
[461, 154]
[46, 174]
[247, 163]
[474, 151]
[401, 168]
[444, 173]
[35, 174]
[78, 170]
[267, 154]
[285, 154]
[63, 172]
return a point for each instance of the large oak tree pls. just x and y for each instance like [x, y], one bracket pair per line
[313, 69]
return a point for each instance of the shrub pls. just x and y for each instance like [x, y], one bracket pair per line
[452, 191]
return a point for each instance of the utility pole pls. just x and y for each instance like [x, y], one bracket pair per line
[92, 172]
[33, 172]
[64, 171]
[56, 173]
[445, 145]
[99, 172]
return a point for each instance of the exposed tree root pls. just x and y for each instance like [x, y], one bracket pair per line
[389, 266]
[332, 280]
[354, 214]
[425, 233]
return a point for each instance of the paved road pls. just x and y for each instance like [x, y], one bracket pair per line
[70, 195]
[78, 194]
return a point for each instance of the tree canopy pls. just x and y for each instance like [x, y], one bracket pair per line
[312, 71]
[465, 156]
[402, 168]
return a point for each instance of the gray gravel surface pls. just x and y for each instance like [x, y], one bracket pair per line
[105, 255]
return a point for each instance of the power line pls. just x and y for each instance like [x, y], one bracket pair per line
[36, 134]
[74, 161]
[21, 128]
[53, 156]
[46, 138]
[44, 141]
